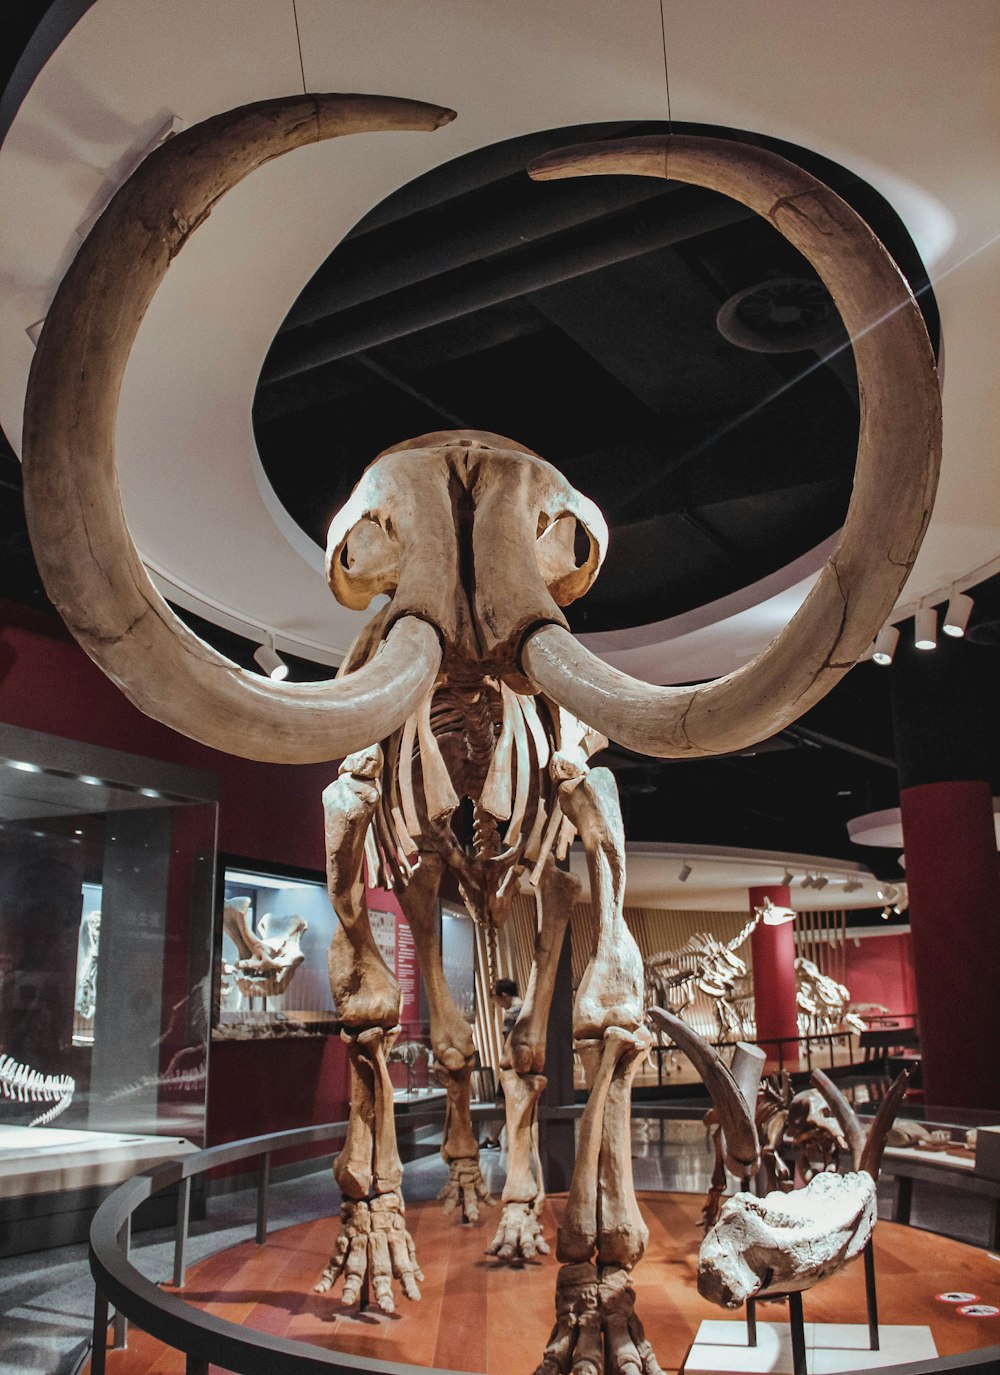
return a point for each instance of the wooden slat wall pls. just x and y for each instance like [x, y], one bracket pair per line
[821, 937]
[654, 930]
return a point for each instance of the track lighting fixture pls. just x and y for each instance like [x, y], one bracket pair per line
[808, 881]
[270, 661]
[786, 878]
[888, 894]
[925, 628]
[852, 885]
[684, 873]
[956, 618]
[885, 645]
[820, 881]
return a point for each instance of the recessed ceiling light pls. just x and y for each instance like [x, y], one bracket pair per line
[23, 766]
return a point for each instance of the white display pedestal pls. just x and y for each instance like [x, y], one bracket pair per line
[830, 1347]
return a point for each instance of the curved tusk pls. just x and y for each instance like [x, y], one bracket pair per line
[899, 452]
[90, 566]
[736, 1115]
[878, 1132]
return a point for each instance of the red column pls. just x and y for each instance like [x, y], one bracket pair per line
[954, 889]
[773, 950]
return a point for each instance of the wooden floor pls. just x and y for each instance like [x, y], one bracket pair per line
[477, 1315]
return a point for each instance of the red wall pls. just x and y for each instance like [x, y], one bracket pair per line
[267, 812]
[879, 969]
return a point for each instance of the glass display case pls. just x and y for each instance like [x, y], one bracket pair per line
[106, 897]
[270, 955]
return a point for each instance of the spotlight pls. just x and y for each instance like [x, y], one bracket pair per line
[820, 881]
[808, 881]
[887, 894]
[786, 878]
[23, 766]
[885, 914]
[684, 873]
[270, 661]
[885, 645]
[852, 885]
[956, 618]
[925, 628]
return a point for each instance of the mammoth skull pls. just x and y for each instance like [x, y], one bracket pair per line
[473, 537]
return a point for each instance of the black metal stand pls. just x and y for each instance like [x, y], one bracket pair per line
[798, 1334]
[871, 1297]
[795, 1323]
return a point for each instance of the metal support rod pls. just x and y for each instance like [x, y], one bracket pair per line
[798, 1333]
[99, 1347]
[181, 1232]
[904, 1199]
[751, 1322]
[120, 1339]
[263, 1186]
[871, 1296]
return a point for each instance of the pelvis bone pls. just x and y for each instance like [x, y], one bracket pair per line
[784, 1242]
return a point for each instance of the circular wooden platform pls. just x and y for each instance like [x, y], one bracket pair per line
[478, 1315]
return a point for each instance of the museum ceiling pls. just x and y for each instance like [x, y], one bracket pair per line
[665, 349]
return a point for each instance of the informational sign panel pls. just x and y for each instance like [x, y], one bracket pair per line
[384, 930]
[408, 974]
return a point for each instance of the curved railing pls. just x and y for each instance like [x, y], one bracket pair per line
[205, 1339]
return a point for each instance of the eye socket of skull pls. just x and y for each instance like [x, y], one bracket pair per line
[566, 572]
[364, 563]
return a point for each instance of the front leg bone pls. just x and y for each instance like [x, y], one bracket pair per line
[622, 1234]
[611, 990]
[578, 1230]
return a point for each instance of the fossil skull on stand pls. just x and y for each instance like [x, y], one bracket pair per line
[472, 537]
[783, 1242]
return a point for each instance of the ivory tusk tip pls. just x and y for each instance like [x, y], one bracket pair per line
[551, 166]
[444, 116]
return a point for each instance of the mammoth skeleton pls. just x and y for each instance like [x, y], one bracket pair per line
[472, 538]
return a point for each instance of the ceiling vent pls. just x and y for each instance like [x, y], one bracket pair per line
[781, 315]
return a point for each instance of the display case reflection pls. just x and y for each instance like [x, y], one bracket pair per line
[105, 940]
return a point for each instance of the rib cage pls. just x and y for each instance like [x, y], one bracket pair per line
[19, 1083]
[470, 722]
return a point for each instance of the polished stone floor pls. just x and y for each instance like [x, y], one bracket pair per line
[46, 1299]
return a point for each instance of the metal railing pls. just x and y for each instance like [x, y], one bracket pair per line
[205, 1339]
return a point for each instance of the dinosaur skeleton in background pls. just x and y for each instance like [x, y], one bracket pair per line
[704, 964]
[20, 1084]
[822, 1002]
[474, 539]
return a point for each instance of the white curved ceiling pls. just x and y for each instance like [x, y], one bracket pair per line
[897, 90]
